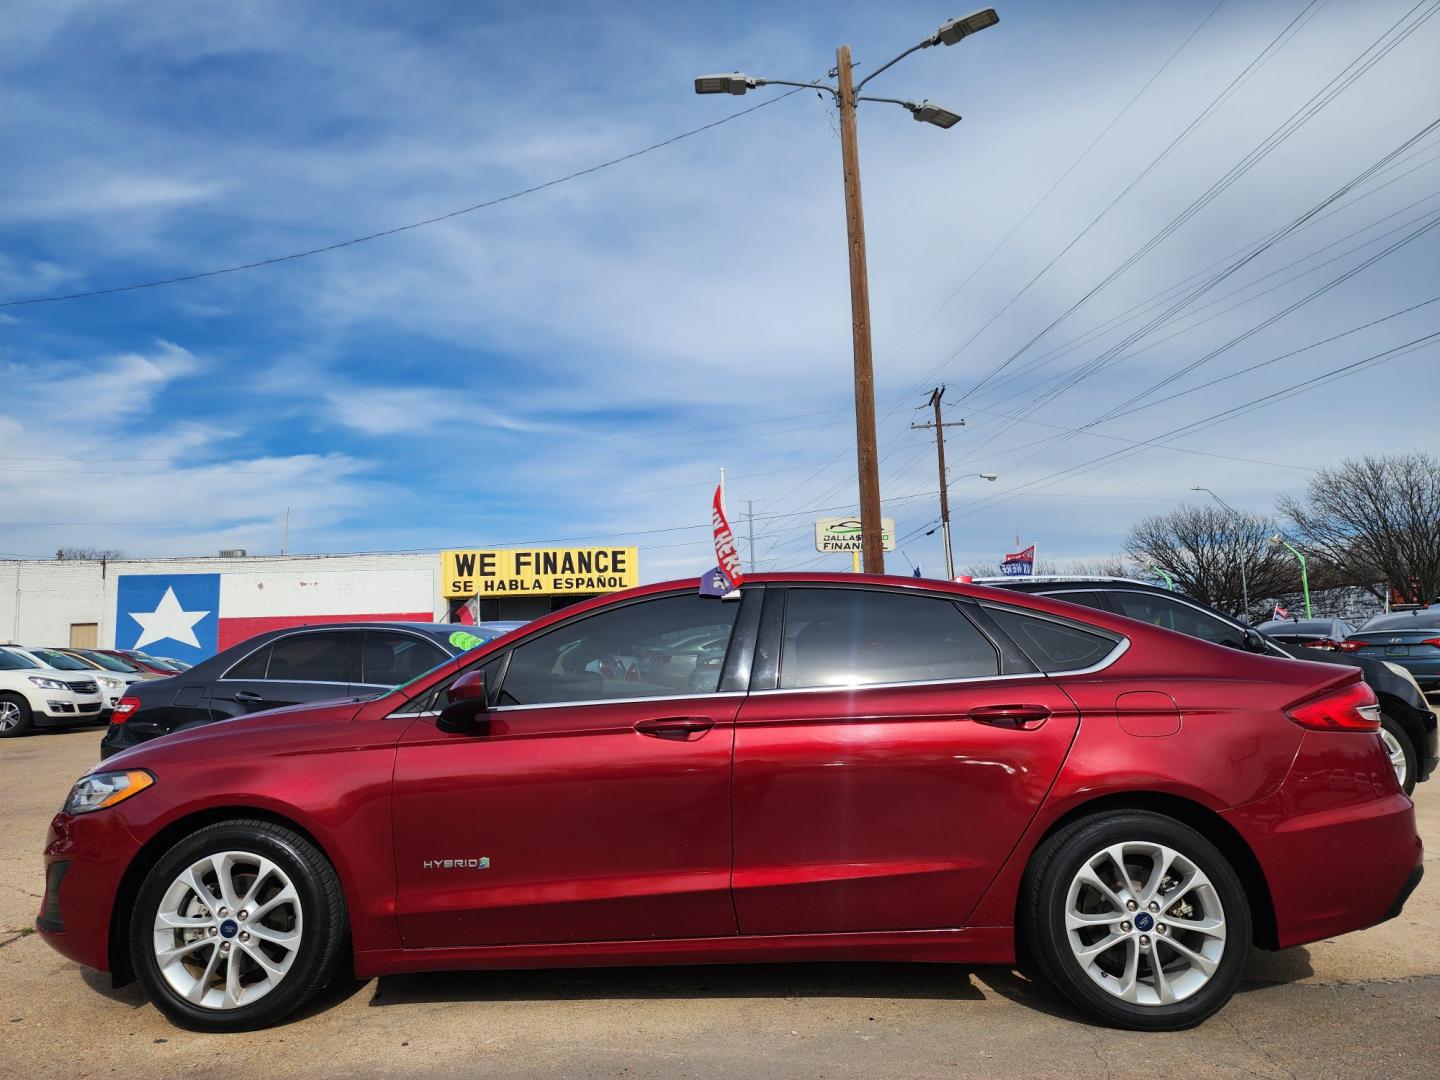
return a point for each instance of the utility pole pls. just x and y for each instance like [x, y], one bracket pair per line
[285, 540]
[846, 94]
[872, 545]
[939, 425]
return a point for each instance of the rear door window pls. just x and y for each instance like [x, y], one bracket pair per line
[320, 656]
[389, 658]
[1174, 615]
[1054, 646]
[857, 637]
[1093, 598]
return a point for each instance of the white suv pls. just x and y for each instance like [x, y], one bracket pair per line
[35, 695]
[112, 683]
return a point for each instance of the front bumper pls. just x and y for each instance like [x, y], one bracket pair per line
[57, 707]
[85, 860]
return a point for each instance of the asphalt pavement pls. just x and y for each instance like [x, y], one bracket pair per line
[1367, 1004]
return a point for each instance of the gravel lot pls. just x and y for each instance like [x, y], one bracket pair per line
[1364, 1005]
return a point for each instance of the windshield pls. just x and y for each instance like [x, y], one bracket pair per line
[1405, 620]
[61, 660]
[111, 663]
[13, 661]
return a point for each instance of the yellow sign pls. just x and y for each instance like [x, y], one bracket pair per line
[538, 571]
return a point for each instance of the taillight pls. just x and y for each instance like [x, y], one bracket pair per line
[1350, 708]
[1350, 645]
[123, 708]
[1432, 641]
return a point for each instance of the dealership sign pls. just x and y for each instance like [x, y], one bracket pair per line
[540, 571]
[843, 534]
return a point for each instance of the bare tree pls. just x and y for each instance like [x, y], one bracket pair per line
[1202, 548]
[90, 553]
[1377, 521]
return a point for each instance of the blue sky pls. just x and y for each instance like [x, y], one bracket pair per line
[581, 362]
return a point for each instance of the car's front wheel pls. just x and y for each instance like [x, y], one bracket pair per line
[1401, 750]
[15, 716]
[237, 925]
[1137, 919]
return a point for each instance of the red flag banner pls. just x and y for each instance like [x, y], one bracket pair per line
[1019, 563]
[725, 552]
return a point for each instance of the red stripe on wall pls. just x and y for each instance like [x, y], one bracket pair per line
[234, 631]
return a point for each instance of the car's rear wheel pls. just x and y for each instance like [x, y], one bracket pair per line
[237, 925]
[1401, 750]
[15, 716]
[1137, 919]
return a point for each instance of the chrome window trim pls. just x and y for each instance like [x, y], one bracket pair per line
[300, 682]
[1118, 651]
[588, 702]
[617, 701]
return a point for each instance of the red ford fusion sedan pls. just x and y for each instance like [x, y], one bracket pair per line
[871, 768]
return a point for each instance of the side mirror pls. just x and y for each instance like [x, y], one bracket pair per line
[468, 702]
[1255, 642]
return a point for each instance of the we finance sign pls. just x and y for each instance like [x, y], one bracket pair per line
[538, 571]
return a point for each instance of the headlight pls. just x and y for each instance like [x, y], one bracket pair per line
[102, 789]
[49, 684]
[111, 683]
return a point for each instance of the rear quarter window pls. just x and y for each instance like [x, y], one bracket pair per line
[1055, 646]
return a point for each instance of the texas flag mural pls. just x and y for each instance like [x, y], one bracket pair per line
[191, 617]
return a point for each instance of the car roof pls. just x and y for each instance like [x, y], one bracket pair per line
[1420, 618]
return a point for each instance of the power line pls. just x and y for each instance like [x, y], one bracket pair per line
[1110, 356]
[1155, 441]
[274, 260]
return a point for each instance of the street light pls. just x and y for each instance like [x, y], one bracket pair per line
[1244, 583]
[846, 95]
[951, 32]
[1279, 541]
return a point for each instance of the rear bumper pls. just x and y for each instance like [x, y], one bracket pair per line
[1337, 840]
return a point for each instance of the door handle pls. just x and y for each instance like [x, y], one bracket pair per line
[250, 697]
[678, 728]
[1019, 717]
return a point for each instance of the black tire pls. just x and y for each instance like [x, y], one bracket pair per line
[1395, 729]
[322, 905]
[1043, 901]
[24, 718]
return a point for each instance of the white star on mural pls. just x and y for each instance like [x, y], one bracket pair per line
[168, 620]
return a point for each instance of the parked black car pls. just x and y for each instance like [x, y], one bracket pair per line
[292, 666]
[1311, 633]
[1407, 723]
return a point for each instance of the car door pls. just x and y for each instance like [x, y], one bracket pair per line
[889, 756]
[298, 667]
[591, 804]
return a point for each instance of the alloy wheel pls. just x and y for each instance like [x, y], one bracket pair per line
[227, 930]
[1145, 923]
[9, 716]
[1397, 756]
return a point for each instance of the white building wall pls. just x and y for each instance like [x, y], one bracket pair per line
[39, 599]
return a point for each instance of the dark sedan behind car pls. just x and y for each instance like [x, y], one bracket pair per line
[292, 666]
[1311, 633]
